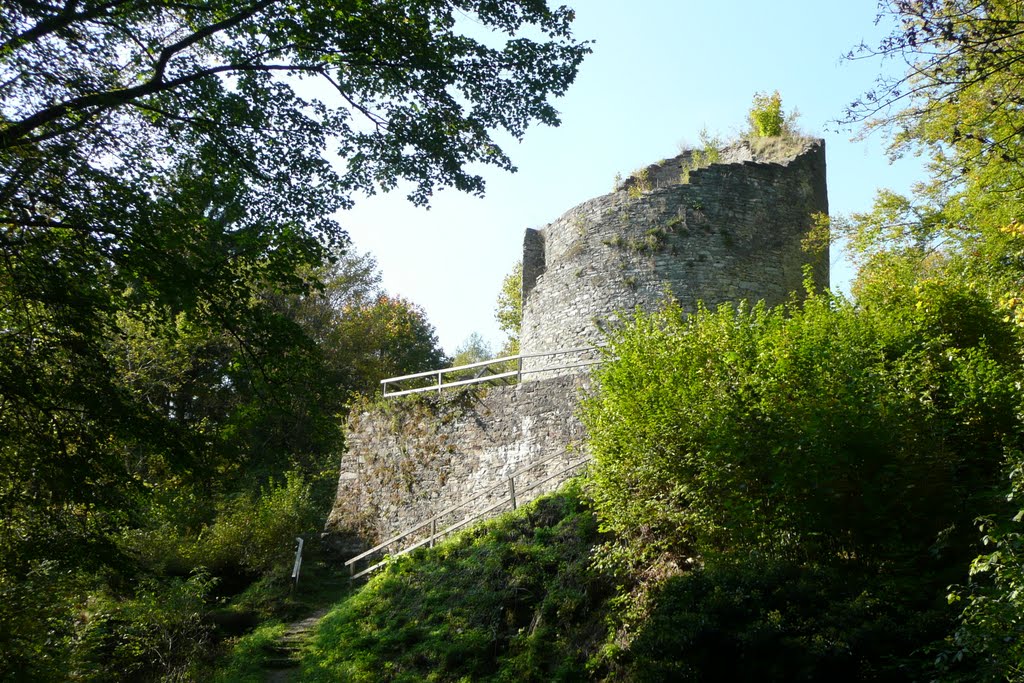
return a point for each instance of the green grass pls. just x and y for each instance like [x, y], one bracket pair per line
[521, 598]
[512, 599]
[244, 662]
[273, 601]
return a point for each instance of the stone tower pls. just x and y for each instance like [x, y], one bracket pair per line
[729, 231]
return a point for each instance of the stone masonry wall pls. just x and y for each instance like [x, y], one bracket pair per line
[410, 459]
[733, 231]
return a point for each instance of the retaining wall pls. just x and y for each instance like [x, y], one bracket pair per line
[409, 459]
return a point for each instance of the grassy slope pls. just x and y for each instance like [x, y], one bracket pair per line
[518, 599]
[512, 599]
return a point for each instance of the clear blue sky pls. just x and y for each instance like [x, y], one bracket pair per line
[661, 70]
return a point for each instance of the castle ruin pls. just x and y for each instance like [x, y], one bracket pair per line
[731, 230]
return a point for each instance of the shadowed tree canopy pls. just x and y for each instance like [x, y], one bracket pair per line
[169, 166]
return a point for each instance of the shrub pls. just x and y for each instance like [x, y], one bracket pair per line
[766, 117]
[818, 431]
[255, 533]
[988, 644]
[38, 611]
[761, 620]
[158, 632]
[708, 153]
[639, 183]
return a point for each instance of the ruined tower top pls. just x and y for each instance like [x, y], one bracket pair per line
[723, 231]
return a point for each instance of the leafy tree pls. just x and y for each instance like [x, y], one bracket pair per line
[364, 333]
[473, 350]
[509, 310]
[167, 182]
[959, 104]
[767, 123]
[385, 337]
[959, 97]
[159, 160]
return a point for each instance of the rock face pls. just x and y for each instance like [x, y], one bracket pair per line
[731, 230]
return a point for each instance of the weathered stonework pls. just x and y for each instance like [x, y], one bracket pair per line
[413, 458]
[732, 232]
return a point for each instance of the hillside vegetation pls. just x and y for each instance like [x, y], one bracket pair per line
[829, 490]
[776, 494]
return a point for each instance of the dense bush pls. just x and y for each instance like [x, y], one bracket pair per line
[37, 621]
[766, 117]
[824, 430]
[249, 533]
[254, 533]
[848, 447]
[157, 633]
[754, 619]
[990, 636]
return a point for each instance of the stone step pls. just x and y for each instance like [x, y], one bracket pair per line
[291, 642]
[278, 663]
[286, 651]
[295, 635]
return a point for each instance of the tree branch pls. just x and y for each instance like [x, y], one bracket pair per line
[20, 133]
[52, 24]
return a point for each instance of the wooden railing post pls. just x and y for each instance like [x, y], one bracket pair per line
[512, 491]
[433, 531]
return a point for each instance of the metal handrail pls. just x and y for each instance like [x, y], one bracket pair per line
[509, 481]
[469, 366]
[460, 383]
[298, 561]
[413, 529]
[517, 373]
[458, 525]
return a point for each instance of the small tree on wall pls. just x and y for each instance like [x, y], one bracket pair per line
[766, 118]
[509, 309]
[773, 134]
